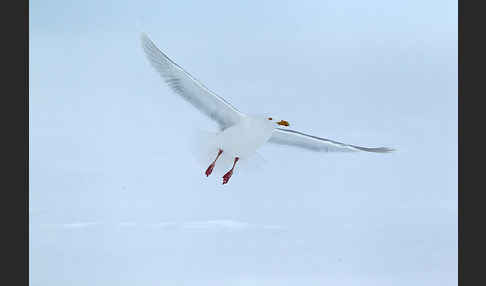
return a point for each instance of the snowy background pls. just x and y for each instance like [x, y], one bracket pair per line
[116, 197]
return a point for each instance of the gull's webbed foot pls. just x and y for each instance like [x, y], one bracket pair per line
[228, 175]
[209, 170]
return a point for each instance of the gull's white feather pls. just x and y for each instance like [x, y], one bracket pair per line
[191, 89]
[205, 145]
[314, 143]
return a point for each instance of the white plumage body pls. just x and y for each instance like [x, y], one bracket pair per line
[244, 138]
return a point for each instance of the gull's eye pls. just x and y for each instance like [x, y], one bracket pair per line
[270, 118]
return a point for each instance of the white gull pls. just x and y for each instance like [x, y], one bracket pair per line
[240, 135]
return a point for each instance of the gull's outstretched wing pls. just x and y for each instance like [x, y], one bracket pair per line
[299, 139]
[189, 88]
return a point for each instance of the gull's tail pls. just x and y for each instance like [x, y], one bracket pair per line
[205, 147]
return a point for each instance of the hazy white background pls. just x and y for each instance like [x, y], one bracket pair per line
[116, 197]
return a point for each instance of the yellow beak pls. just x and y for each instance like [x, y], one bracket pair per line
[283, 122]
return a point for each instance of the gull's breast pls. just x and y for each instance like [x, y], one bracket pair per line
[243, 139]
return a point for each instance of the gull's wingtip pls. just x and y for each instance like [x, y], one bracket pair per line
[146, 42]
[145, 39]
[376, 150]
[386, 150]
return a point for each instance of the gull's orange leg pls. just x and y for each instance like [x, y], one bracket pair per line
[228, 175]
[209, 170]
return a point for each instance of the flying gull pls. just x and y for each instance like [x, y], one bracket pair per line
[240, 135]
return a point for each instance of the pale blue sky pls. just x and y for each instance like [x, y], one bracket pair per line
[116, 197]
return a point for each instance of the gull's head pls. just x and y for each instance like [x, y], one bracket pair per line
[279, 122]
